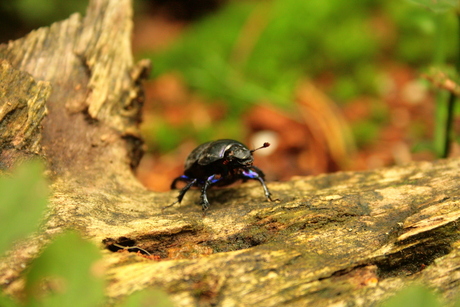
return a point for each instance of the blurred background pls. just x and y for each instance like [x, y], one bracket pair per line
[332, 85]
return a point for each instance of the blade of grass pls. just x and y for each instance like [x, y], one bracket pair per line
[439, 58]
[445, 102]
[451, 102]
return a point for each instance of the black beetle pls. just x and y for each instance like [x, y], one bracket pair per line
[219, 163]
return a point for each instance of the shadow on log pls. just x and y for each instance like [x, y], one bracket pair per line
[71, 94]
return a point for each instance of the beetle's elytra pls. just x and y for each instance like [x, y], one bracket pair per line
[219, 163]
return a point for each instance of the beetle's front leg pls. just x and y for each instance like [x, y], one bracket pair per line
[204, 197]
[251, 174]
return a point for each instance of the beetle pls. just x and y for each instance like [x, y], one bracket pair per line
[219, 163]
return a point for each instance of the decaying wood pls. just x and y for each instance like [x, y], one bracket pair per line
[21, 111]
[345, 238]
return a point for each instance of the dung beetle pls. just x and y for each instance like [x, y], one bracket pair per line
[219, 163]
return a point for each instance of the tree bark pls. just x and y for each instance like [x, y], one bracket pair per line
[71, 94]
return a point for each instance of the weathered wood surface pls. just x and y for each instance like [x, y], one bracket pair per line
[351, 238]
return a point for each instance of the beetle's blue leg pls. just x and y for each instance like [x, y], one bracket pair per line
[204, 197]
[182, 191]
[253, 174]
[258, 171]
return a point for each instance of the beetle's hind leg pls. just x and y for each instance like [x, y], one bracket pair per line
[180, 178]
[183, 190]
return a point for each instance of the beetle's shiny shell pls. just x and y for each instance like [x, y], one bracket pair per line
[210, 152]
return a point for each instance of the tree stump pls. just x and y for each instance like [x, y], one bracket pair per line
[71, 95]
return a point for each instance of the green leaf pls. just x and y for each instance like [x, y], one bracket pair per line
[24, 197]
[66, 274]
[148, 297]
[419, 296]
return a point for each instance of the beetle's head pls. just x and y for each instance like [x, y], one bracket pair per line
[240, 155]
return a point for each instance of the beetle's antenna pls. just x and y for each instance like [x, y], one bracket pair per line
[265, 145]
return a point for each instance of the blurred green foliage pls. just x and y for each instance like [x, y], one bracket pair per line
[291, 39]
[19, 17]
[258, 51]
[447, 12]
[44, 12]
[416, 295]
[67, 270]
[166, 136]
[24, 196]
[252, 51]
[366, 129]
[66, 273]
